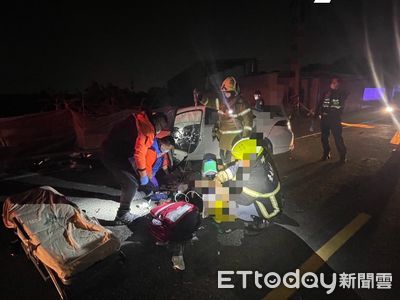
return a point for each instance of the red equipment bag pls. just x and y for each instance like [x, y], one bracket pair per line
[175, 221]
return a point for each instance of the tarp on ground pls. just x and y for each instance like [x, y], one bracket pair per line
[36, 134]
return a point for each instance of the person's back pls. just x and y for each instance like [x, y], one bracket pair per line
[120, 142]
[263, 174]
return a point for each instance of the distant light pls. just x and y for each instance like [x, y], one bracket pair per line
[230, 111]
[389, 109]
[374, 94]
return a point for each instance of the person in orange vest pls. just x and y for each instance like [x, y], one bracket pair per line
[124, 154]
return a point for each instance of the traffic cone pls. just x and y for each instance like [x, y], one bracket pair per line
[395, 139]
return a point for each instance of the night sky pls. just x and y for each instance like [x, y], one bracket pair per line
[66, 46]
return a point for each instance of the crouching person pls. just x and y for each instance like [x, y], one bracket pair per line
[253, 182]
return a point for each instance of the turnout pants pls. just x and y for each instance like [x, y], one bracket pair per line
[248, 207]
[332, 125]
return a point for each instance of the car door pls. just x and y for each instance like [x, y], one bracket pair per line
[276, 127]
[208, 145]
[187, 132]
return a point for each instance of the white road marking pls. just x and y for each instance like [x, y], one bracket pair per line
[61, 183]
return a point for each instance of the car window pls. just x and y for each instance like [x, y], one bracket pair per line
[188, 118]
[186, 131]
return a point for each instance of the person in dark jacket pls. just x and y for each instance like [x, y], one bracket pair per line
[329, 110]
[124, 154]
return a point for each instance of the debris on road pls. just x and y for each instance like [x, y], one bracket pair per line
[233, 238]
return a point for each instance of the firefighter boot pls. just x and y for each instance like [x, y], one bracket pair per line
[256, 226]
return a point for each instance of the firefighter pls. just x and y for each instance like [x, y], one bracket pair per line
[235, 118]
[124, 155]
[258, 198]
[329, 110]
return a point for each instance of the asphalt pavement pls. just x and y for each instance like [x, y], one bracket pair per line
[339, 218]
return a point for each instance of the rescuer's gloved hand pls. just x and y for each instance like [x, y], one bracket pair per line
[144, 180]
[154, 181]
[222, 176]
[146, 185]
[225, 175]
[148, 188]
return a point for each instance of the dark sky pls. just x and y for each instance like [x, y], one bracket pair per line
[66, 46]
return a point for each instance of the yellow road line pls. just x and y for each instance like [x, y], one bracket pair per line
[346, 125]
[319, 258]
[358, 125]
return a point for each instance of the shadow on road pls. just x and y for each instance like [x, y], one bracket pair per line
[303, 167]
[296, 181]
[379, 189]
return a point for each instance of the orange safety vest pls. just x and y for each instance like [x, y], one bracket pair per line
[144, 140]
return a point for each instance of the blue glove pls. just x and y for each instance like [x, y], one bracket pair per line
[144, 180]
[154, 181]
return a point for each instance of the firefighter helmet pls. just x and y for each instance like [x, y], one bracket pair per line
[230, 85]
[245, 148]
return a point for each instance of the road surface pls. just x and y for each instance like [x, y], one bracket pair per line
[340, 218]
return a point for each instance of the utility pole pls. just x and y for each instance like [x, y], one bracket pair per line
[297, 19]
